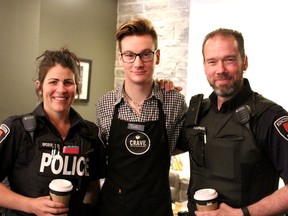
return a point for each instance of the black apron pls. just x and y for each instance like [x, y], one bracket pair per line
[137, 182]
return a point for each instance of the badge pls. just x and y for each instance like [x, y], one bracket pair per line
[281, 125]
[137, 143]
[4, 131]
[71, 149]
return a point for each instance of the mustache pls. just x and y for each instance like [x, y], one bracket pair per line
[223, 76]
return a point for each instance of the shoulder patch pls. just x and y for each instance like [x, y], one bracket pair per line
[4, 131]
[281, 125]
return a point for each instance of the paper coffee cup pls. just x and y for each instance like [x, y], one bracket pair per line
[206, 199]
[60, 191]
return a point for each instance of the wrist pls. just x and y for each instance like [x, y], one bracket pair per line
[245, 211]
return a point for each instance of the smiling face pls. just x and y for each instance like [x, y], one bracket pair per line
[224, 66]
[139, 72]
[58, 90]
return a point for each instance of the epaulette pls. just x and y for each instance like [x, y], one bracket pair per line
[197, 108]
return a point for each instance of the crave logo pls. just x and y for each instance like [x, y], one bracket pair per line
[137, 143]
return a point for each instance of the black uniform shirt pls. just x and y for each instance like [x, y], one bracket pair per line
[272, 129]
[32, 160]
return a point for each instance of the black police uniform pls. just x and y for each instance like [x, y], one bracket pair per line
[31, 160]
[239, 150]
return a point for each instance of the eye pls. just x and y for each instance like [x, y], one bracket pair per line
[211, 62]
[53, 82]
[230, 60]
[69, 83]
[129, 55]
[146, 54]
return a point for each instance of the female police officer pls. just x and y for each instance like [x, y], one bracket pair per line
[51, 142]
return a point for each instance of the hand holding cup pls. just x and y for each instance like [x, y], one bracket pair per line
[206, 199]
[60, 191]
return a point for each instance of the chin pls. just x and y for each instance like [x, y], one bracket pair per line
[224, 92]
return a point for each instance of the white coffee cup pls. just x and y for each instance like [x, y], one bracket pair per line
[206, 199]
[60, 190]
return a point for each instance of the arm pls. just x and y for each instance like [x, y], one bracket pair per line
[92, 193]
[91, 207]
[274, 204]
[37, 206]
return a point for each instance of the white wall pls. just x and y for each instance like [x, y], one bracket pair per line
[263, 25]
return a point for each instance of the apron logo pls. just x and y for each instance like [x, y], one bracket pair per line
[4, 131]
[281, 125]
[137, 143]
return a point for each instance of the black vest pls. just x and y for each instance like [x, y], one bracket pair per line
[224, 153]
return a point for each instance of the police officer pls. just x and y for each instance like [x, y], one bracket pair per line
[53, 141]
[236, 138]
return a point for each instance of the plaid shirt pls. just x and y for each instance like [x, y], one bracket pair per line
[174, 107]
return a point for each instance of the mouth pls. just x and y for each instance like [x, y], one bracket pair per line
[138, 71]
[222, 80]
[60, 98]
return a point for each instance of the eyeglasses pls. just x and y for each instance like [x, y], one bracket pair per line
[129, 57]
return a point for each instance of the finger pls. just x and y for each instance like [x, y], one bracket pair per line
[178, 88]
[171, 85]
[167, 85]
[161, 83]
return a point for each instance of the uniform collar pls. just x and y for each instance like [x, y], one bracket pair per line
[156, 92]
[234, 102]
[75, 118]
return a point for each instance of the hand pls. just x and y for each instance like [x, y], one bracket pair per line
[44, 206]
[223, 210]
[168, 85]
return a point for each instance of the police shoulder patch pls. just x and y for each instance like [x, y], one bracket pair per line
[281, 124]
[4, 131]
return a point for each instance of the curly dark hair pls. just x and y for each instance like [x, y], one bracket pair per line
[63, 57]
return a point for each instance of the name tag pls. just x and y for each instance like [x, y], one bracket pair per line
[136, 127]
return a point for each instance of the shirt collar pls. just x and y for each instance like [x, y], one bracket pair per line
[156, 92]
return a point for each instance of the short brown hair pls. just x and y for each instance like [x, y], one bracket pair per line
[227, 33]
[139, 26]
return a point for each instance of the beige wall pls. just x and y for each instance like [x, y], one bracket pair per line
[19, 23]
[29, 27]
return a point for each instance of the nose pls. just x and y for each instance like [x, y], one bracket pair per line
[221, 67]
[138, 61]
[61, 87]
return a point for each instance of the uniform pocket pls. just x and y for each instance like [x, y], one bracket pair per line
[226, 151]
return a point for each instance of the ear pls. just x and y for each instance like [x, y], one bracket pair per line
[120, 58]
[37, 83]
[245, 63]
[157, 56]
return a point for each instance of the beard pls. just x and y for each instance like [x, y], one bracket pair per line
[226, 90]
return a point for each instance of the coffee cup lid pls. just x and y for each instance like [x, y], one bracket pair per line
[205, 194]
[61, 185]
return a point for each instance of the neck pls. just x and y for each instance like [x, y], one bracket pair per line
[138, 93]
[221, 100]
[62, 124]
